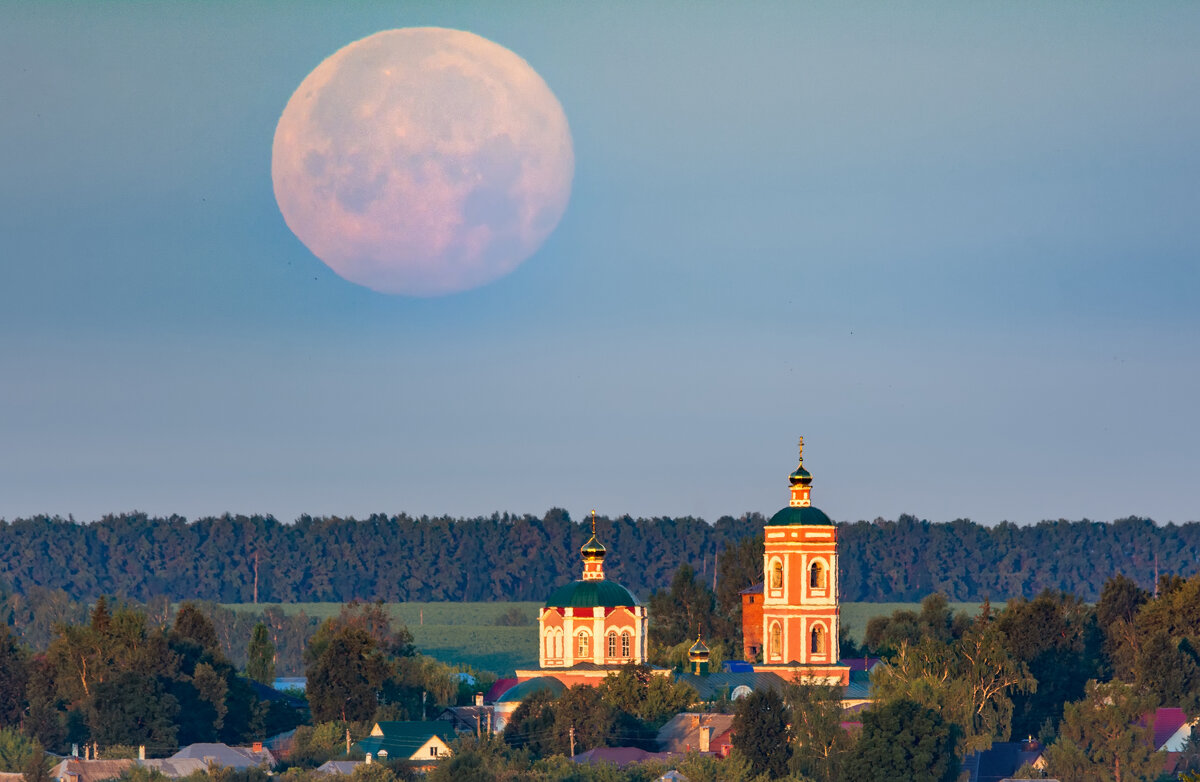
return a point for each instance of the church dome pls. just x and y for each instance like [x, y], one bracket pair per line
[591, 594]
[806, 515]
[801, 477]
[593, 549]
[698, 652]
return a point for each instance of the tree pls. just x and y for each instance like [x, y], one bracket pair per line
[531, 725]
[970, 682]
[14, 678]
[682, 611]
[15, 749]
[582, 711]
[819, 743]
[760, 732]
[260, 663]
[191, 625]
[344, 681]
[904, 740]
[1104, 737]
[133, 709]
[35, 768]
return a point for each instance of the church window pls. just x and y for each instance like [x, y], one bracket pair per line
[625, 644]
[777, 575]
[816, 578]
[549, 643]
[818, 640]
[776, 641]
[612, 644]
[584, 645]
[558, 643]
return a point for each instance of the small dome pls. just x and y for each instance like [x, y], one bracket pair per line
[593, 549]
[800, 477]
[698, 652]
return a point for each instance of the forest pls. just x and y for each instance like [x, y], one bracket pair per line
[236, 559]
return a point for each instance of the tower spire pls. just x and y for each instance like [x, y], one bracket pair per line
[801, 482]
[593, 553]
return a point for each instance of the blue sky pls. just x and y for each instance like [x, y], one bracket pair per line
[955, 246]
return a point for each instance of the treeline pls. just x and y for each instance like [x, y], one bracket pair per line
[507, 557]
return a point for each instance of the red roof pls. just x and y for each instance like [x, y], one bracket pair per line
[1166, 723]
[499, 688]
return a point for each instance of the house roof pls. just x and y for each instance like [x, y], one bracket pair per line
[174, 768]
[717, 685]
[227, 756]
[682, 732]
[866, 664]
[345, 767]
[621, 756]
[401, 740]
[1167, 723]
[1001, 761]
[466, 718]
[757, 589]
[90, 770]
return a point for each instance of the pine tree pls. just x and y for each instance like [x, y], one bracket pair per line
[260, 662]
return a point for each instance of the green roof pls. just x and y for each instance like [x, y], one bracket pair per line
[403, 739]
[526, 688]
[808, 516]
[584, 594]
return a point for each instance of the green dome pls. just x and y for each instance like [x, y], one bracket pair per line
[808, 516]
[521, 691]
[584, 594]
[698, 651]
[800, 476]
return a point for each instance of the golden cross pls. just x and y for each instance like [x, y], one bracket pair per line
[593, 521]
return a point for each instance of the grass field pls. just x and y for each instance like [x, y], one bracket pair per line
[466, 632]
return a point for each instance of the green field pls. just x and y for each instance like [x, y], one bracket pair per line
[466, 632]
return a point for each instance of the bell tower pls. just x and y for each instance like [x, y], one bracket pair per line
[800, 620]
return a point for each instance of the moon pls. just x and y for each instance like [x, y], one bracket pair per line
[422, 161]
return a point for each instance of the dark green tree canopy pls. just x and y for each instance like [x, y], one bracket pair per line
[904, 740]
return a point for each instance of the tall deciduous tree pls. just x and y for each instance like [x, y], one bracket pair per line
[819, 743]
[260, 656]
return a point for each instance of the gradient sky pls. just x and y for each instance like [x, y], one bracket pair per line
[956, 246]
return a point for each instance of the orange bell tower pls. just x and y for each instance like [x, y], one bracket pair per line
[800, 613]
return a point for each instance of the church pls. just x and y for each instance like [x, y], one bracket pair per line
[591, 627]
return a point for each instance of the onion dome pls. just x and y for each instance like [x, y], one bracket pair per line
[698, 652]
[801, 476]
[593, 549]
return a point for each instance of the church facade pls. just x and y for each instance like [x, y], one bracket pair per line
[591, 627]
[799, 619]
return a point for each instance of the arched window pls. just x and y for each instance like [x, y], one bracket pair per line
[816, 576]
[612, 643]
[549, 643]
[558, 643]
[818, 640]
[776, 641]
[584, 645]
[777, 575]
[625, 644]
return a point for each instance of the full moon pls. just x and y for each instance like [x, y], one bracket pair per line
[422, 161]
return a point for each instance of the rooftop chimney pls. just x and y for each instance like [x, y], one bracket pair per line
[479, 699]
[705, 737]
[141, 752]
[257, 746]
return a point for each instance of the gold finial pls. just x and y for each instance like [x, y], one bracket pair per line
[801, 451]
[593, 521]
